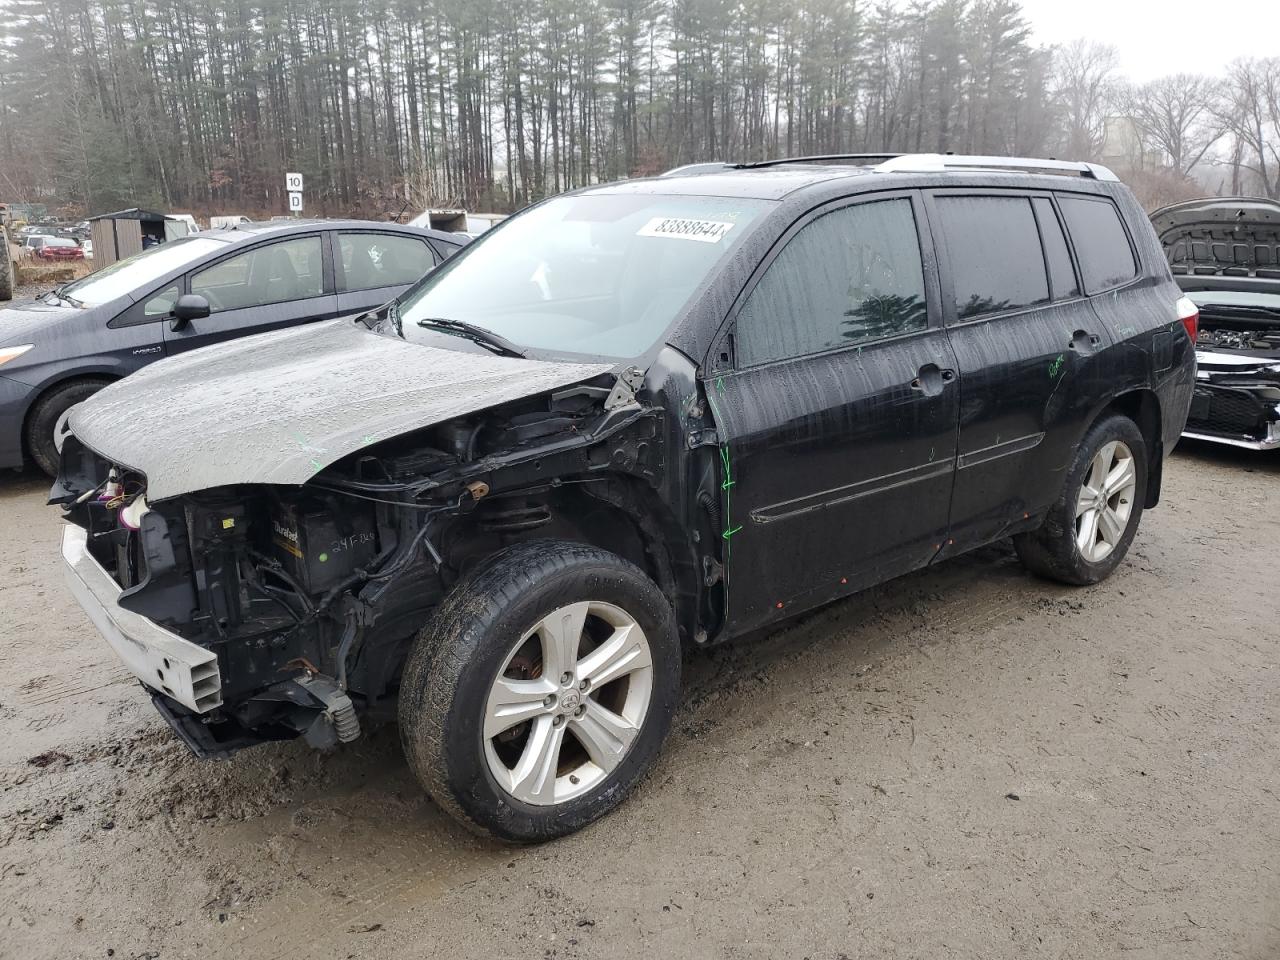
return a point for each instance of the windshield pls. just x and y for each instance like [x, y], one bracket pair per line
[1235, 298]
[126, 276]
[601, 274]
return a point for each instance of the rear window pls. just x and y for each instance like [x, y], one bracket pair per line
[1102, 246]
[994, 250]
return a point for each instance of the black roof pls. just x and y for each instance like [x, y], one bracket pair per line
[836, 175]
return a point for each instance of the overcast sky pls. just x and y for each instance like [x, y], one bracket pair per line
[1170, 36]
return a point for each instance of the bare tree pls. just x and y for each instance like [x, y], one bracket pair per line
[1175, 115]
[1250, 110]
[1084, 80]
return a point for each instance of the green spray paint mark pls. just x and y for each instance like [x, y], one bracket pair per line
[726, 486]
[1056, 367]
[729, 530]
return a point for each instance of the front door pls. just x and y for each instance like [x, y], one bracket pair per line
[271, 285]
[837, 423]
[1027, 344]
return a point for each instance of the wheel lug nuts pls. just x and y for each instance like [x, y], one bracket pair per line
[558, 721]
[566, 679]
[584, 685]
[549, 700]
[580, 711]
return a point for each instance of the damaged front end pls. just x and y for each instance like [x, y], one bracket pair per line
[1237, 394]
[265, 611]
[1225, 255]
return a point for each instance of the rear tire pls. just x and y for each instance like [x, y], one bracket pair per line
[494, 748]
[1087, 531]
[42, 422]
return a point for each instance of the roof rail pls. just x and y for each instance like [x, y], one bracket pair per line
[936, 162]
[861, 159]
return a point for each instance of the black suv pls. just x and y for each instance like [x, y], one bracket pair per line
[637, 416]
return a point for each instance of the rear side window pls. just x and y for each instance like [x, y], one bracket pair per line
[1062, 275]
[371, 260]
[994, 250]
[848, 277]
[1102, 246]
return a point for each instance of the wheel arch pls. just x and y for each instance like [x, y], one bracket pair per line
[1142, 406]
[615, 512]
[72, 377]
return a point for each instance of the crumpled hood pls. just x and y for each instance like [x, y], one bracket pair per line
[280, 407]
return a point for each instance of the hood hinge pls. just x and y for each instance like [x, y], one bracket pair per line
[624, 388]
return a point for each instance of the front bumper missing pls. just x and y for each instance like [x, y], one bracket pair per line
[164, 661]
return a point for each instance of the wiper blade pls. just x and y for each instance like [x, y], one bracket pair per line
[486, 338]
[61, 295]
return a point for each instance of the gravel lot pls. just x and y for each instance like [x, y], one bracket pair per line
[965, 763]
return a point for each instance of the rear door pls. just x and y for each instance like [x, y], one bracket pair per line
[276, 284]
[837, 423]
[372, 268]
[1026, 341]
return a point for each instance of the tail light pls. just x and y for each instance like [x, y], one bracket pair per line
[1189, 314]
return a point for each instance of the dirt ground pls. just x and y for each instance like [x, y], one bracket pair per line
[967, 762]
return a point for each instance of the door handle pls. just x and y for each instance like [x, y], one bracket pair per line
[930, 380]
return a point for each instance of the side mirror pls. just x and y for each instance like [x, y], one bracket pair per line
[190, 306]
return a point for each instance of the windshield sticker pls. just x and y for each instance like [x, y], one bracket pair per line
[704, 231]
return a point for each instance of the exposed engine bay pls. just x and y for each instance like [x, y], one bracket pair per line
[310, 596]
[1225, 338]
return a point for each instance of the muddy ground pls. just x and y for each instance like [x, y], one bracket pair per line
[968, 762]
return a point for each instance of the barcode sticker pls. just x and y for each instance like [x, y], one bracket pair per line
[678, 228]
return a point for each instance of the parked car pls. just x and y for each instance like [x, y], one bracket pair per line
[31, 242]
[637, 416]
[1225, 255]
[58, 248]
[68, 344]
[188, 219]
[223, 223]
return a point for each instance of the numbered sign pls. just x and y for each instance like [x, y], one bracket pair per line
[295, 203]
[293, 182]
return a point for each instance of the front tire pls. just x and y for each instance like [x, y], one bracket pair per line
[1088, 530]
[541, 690]
[45, 416]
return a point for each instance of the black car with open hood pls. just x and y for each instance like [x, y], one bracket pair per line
[1225, 255]
[629, 419]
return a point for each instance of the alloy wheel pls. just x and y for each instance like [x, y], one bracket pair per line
[568, 703]
[1106, 501]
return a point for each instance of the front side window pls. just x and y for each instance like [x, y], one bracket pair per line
[993, 248]
[1102, 246]
[371, 260]
[274, 273]
[848, 277]
[601, 274]
[139, 271]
